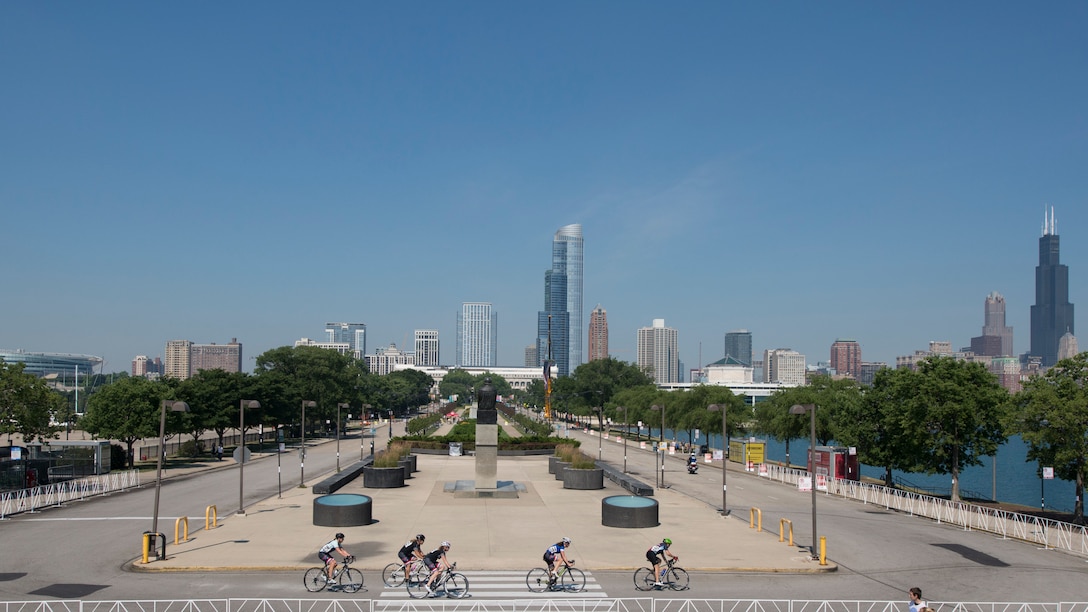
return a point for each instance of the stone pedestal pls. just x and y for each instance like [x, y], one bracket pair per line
[487, 456]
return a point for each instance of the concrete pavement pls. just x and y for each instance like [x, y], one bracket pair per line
[278, 534]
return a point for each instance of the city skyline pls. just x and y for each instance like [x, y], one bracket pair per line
[803, 172]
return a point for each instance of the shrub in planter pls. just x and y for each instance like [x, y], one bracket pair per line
[583, 473]
[386, 459]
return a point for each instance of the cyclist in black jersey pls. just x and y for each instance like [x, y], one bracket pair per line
[411, 550]
[436, 561]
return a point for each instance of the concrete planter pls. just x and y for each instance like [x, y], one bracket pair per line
[383, 478]
[629, 511]
[406, 465]
[414, 462]
[551, 464]
[590, 479]
[342, 510]
[560, 467]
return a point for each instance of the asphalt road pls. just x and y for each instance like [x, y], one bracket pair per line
[79, 551]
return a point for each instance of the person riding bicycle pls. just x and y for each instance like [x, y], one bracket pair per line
[436, 562]
[555, 553]
[656, 555]
[411, 550]
[325, 554]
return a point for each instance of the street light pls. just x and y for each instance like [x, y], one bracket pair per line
[661, 449]
[366, 411]
[811, 410]
[725, 450]
[176, 407]
[390, 425]
[338, 407]
[302, 447]
[624, 409]
[242, 405]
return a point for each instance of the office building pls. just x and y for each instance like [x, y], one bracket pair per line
[598, 333]
[385, 359]
[1052, 314]
[783, 366]
[658, 352]
[559, 325]
[352, 334]
[996, 338]
[226, 357]
[477, 335]
[846, 358]
[1067, 346]
[427, 349]
[868, 371]
[738, 346]
[532, 356]
[343, 348]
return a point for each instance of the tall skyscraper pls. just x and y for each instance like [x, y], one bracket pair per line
[477, 335]
[1052, 314]
[658, 352]
[738, 345]
[426, 353]
[598, 333]
[784, 366]
[996, 338]
[177, 359]
[353, 334]
[563, 302]
[846, 357]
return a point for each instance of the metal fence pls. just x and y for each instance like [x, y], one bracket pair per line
[1044, 532]
[36, 498]
[521, 605]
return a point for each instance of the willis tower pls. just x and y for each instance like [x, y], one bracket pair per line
[1052, 314]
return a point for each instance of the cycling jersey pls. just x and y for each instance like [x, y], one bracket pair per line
[331, 546]
[553, 550]
[408, 551]
[431, 558]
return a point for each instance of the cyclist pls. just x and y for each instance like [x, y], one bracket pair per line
[436, 562]
[325, 554]
[411, 550]
[656, 555]
[555, 553]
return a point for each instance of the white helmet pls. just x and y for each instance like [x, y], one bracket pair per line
[445, 544]
[566, 541]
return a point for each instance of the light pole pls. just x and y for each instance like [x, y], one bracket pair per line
[1042, 477]
[661, 447]
[176, 407]
[242, 405]
[302, 447]
[600, 433]
[279, 451]
[363, 418]
[811, 410]
[338, 407]
[624, 409]
[390, 425]
[725, 450]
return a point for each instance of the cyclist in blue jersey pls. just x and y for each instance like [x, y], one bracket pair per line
[656, 555]
[554, 554]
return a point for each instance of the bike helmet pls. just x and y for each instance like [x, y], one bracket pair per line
[420, 537]
[667, 542]
[339, 536]
[566, 541]
[445, 544]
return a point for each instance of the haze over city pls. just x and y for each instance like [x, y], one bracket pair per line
[807, 172]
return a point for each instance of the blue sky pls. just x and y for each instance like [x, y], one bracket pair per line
[807, 171]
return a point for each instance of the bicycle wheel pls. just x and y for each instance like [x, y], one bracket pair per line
[677, 579]
[417, 588]
[314, 580]
[351, 580]
[419, 572]
[393, 575]
[537, 580]
[644, 579]
[455, 586]
[573, 580]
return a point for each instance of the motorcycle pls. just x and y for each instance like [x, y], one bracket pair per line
[693, 467]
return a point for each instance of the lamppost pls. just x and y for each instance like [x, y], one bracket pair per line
[364, 417]
[600, 433]
[661, 447]
[279, 451]
[811, 410]
[390, 425]
[725, 450]
[338, 407]
[302, 447]
[1042, 475]
[624, 409]
[242, 405]
[175, 407]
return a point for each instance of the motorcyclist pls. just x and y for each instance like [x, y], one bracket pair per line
[693, 463]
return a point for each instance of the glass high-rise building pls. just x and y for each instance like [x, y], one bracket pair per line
[1052, 314]
[353, 334]
[738, 345]
[477, 335]
[559, 325]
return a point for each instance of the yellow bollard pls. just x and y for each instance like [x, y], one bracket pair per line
[147, 546]
[755, 516]
[782, 530]
[182, 521]
[211, 519]
[823, 550]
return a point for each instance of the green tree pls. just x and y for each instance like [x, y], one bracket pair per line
[1051, 415]
[880, 429]
[214, 398]
[27, 405]
[128, 410]
[458, 382]
[287, 376]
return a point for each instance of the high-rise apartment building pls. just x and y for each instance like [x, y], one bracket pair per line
[427, 353]
[140, 365]
[598, 333]
[477, 335]
[1052, 314]
[784, 366]
[226, 357]
[846, 357]
[385, 359]
[559, 325]
[177, 359]
[658, 352]
[738, 346]
[996, 338]
[353, 334]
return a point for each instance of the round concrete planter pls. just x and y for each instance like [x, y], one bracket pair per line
[583, 479]
[383, 478]
[560, 467]
[551, 464]
[414, 461]
[343, 510]
[406, 465]
[629, 511]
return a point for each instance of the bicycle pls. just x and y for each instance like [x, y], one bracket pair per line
[672, 577]
[394, 574]
[569, 579]
[345, 577]
[454, 584]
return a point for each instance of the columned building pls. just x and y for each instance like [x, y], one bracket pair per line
[658, 352]
[385, 359]
[477, 335]
[1052, 314]
[598, 333]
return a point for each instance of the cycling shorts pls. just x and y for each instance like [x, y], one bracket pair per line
[430, 564]
[325, 557]
[549, 557]
[652, 557]
[404, 558]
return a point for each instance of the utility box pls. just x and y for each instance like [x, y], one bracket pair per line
[837, 462]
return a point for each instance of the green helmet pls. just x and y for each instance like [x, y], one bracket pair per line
[667, 542]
